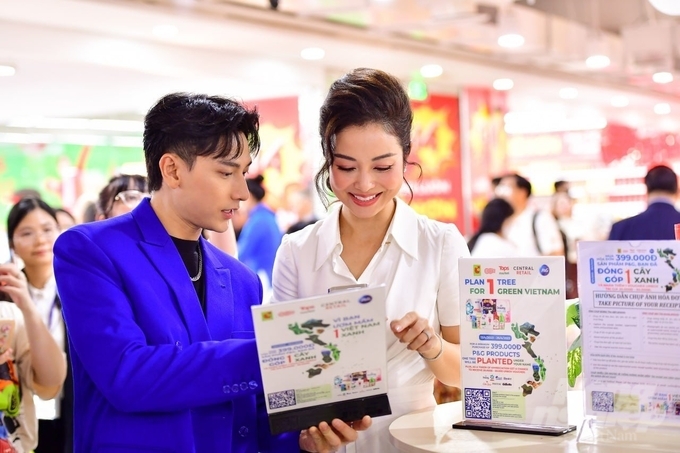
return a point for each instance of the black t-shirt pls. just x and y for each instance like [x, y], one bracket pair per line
[189, 251]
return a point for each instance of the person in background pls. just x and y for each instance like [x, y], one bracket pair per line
[121, 195]
[163, 350]
[32, 229]
[489, 240]
[658, 220]
[225, 241]
[533, 231]
[373, 237]
[562, 186]
[260, 236]
[571, 231]
[64, 218]
[299, 201]
[89, 212]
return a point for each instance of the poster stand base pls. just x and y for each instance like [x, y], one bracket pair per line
[629, 436]
[518, 428]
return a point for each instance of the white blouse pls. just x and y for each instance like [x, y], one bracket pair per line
[491, 245]
[418, 261]
[44, 301]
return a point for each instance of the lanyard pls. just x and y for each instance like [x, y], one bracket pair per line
[56, 303]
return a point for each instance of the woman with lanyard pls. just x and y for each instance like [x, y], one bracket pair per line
[32, 229]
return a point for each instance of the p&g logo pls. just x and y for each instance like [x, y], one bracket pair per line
[365, 299]
[544, 270]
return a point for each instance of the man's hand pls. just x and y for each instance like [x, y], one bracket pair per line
[327, 438]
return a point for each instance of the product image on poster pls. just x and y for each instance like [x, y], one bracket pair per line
[630, 322]
[323, 358]
[513, 344]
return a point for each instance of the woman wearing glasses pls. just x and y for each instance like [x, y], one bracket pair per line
[31, 357]
[121, 195]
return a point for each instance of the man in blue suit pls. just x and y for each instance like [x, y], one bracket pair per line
[162, 344]
[658, 220]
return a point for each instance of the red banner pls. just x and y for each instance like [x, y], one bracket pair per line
[487, 144]
[281, 160]
[436, 148]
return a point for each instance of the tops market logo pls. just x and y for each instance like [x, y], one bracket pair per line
[504, 270]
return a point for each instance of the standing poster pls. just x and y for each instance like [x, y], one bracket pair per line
[323, 357]
[513, 342]
[630, 321]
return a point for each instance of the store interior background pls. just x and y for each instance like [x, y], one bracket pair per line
[86, 71]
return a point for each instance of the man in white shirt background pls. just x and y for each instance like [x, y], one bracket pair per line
[533, 231]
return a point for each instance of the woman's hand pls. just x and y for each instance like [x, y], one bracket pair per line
[327, 438]
[13, 282]
[417, 334]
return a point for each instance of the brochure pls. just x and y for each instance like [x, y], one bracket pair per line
[630, 321]
[323, 357]
[513, 343]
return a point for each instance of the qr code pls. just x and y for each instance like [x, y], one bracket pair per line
[478, 403]
[278, 400]
[603, 401]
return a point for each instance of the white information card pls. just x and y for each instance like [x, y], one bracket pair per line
[630, 321]
[513, 344]
[323, 357]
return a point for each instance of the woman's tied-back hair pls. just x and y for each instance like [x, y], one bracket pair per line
[192, 125]
[494, 214]
[256, 187]
[359, 98]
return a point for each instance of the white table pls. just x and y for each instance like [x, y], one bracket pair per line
[429, 430]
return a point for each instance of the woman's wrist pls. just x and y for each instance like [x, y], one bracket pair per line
[441, 350]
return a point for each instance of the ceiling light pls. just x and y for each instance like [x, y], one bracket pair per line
[6, 71]
[511, 40]
[619, 101]
[431, 70]
[662, 108]
[503, 84]
[670, 7]
[598, 61]
[568, 93]
[165, 31]
[662, 77]
[312, 53]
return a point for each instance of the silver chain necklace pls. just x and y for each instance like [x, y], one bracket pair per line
[200, 266]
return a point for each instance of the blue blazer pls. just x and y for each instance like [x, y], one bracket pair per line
[654, 223]
[150, 373]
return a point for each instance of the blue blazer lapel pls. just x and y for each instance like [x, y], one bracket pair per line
[163, 255]
[219, 296]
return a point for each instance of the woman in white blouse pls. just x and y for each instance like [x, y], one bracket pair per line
[488, 241]
[32, 229]
[373, 237]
